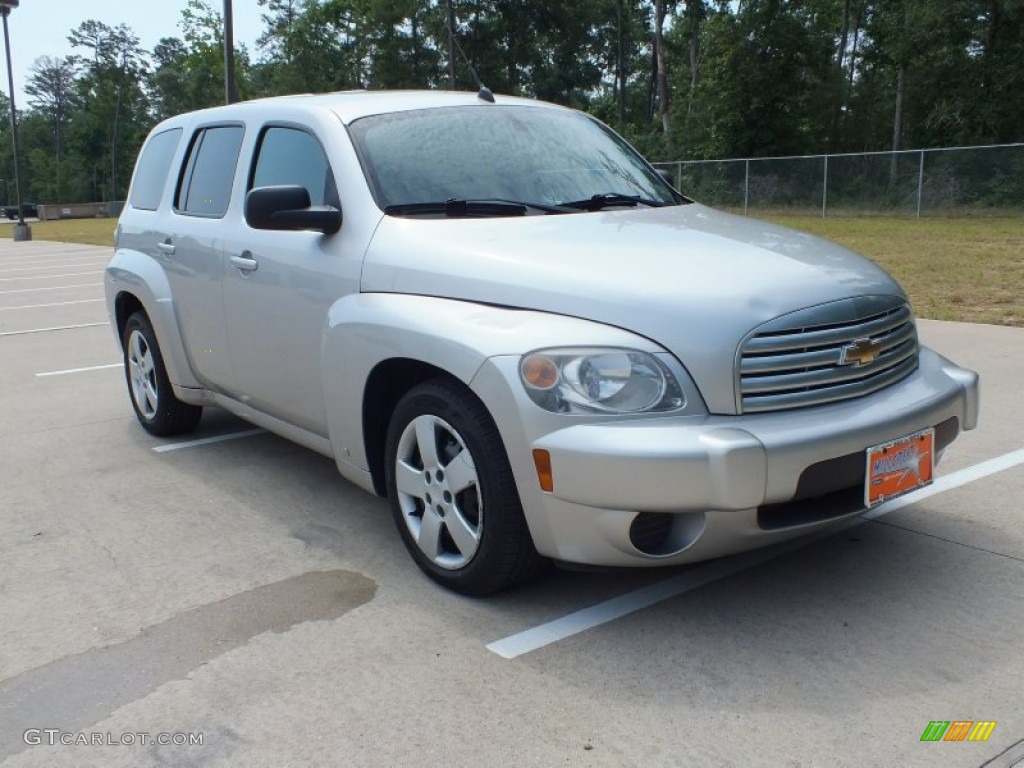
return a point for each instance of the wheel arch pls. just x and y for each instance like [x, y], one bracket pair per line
[126, 304]
[136, 282]
[387, 384]
[376, 346]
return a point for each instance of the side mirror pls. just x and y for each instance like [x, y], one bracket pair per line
[288, 207]
[667, 177]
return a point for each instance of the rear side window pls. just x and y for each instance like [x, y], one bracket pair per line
[210, 171]
[151, 171]
[292, 156]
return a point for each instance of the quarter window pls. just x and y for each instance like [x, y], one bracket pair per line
[292, 156]
[210, 171]
[151, 172]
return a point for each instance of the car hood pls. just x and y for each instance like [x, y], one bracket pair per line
[692, 279]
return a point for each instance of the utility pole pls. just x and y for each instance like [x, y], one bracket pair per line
[22, 231]
[230, 91]
[451, 46]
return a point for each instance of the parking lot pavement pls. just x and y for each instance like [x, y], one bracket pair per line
[242, 591]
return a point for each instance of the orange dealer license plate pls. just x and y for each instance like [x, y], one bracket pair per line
[899, 466]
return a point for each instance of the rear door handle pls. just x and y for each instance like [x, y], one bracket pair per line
[245, 262]
[166, 247]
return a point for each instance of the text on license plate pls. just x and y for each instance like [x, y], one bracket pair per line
[899, 466]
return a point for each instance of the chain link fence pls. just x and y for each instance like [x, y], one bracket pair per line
[919, 182]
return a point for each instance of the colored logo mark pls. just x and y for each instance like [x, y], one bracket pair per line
[860, 352]
[958, 730]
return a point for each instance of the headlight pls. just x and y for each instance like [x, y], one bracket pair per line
[597, 380]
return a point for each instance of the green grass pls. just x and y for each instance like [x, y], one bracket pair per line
[968, 269]
[87, 231]
[964, 269]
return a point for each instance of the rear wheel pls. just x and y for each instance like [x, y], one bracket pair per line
[452, 493]
[158, 410]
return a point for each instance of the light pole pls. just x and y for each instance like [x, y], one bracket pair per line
[230, 91]
[22, 231]
[451, 46]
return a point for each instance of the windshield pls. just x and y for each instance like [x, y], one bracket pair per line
[499, 153]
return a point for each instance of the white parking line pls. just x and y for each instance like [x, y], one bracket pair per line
[49, 277]
[78, 370]
[51, 288]
[207, 440]
[55, 304]
[552, 631]
[43, 261]
[52, 328]
[45, 266]
[65, 249]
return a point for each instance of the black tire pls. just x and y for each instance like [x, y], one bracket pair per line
[504, 554]
[167, 415]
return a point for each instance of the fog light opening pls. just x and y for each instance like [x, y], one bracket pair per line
[649, 531]
[664, 534]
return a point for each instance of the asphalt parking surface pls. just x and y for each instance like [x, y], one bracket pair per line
[244, 591]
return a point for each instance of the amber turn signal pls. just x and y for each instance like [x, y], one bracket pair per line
[542, 460]
[539, 372]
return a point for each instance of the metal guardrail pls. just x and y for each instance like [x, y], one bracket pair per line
[985, 180]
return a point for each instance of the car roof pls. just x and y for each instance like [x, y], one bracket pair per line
[352, 105]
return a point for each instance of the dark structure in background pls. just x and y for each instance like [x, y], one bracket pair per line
[451, 46]
[230, 91]
[22, 231]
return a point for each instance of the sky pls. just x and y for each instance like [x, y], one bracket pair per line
[41, 27]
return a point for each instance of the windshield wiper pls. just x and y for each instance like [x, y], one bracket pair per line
[457, 208]
[606, 199]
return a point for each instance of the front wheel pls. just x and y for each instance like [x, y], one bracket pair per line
[158, 410]
[452, 493]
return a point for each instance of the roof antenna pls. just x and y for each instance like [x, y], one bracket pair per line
[484, 94]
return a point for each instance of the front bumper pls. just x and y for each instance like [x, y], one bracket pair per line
[706, 484]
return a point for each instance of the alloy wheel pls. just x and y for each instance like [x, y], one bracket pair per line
[142, 374]
[439, 491]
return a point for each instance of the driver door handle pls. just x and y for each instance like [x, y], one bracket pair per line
[245, 262]
[166, 247]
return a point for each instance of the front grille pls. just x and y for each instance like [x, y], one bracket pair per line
[795, 367]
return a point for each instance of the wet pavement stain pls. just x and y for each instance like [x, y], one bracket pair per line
[321, 537]
[78, 691]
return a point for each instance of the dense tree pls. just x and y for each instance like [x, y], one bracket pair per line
[680, 78]
[51, 93]
[113, 117]
[171, 86]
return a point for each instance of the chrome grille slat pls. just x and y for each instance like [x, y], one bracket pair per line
[829, 395]
[802, 339]
[831, 375]
[800, 366]
[818, 357]
[773, 363]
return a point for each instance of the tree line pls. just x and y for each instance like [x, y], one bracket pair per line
[682, 79]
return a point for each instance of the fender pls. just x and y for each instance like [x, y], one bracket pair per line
[366, 329]
[133, 272]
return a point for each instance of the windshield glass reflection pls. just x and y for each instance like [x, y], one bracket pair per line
[514, 153]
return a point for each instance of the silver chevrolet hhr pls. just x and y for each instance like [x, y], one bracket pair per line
[495, 313]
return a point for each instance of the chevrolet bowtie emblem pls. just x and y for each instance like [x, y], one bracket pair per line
[860, 352]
